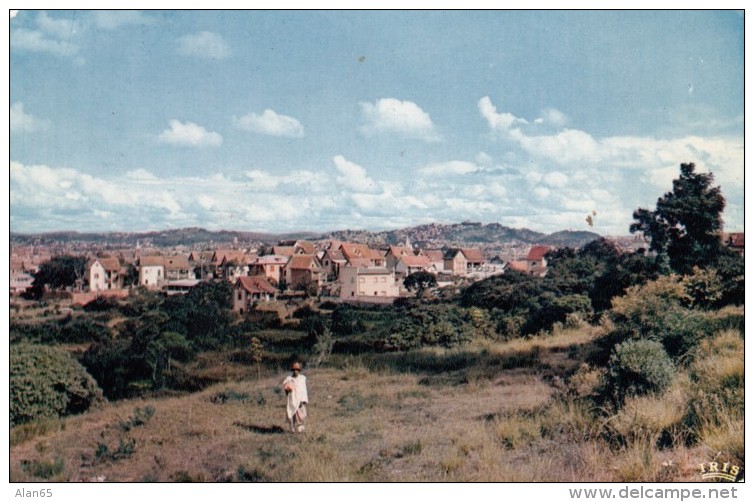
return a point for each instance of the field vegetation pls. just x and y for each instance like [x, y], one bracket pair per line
[613, 367]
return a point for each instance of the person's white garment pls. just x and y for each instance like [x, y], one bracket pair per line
[297, 398]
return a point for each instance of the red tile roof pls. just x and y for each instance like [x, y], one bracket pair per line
[415, 261]
[474, 255]
[256, 284]
[303, 262]
[537, 253]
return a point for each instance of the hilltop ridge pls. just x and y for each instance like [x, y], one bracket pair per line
[431, 234]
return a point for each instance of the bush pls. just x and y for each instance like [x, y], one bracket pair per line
[45, 382]
[102, 304]
[638, 367]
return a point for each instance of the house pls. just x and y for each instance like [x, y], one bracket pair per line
[395, 253]
[105, 274]
[179, 287]
[461, 261]
[177, 268]
[409, 264]
[286, 251]
[303, 271]
[151, 271]
[299, 246]
[235, 265]
[536, 264]
[353, 252]
[251, 289]
[735, 242]
[332, 260]
[201, 262]
[20, 282]
[436, 259]
[270, 266]
[518, 266]
[364, 284]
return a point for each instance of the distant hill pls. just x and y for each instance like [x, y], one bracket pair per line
[470, 233]
[165, 238]
[432, 234]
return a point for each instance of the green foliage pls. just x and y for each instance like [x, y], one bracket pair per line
[203, 316]
[630, 269]
[45, 382]
[686, 223]
[102, 304]
[704, 288]
[638, 367]
[419, 281]
[436, 325]
[43, 469]
[125, 448]
[660, 311]
[67, 330]
[345, 321]
[140, 417]
[730, 271]
[322, 348]
[58, 272]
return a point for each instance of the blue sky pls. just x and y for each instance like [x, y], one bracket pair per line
[323, 120]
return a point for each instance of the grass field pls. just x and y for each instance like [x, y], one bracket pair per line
[486, 412]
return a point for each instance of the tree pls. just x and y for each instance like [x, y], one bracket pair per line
[685, 225]
[57, 273]
[420, 281]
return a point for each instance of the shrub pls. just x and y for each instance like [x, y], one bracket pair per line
[704, 288]
[638, 367]
[102, 304]
[45, 383]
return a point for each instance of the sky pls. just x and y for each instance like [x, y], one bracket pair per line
[283, 121]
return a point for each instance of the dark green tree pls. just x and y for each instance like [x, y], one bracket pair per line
[57, 273]
[685, 226]
[420, 281]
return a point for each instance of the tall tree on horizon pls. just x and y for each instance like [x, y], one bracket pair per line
[686, 224]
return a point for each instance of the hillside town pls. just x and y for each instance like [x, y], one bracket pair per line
[337, 270]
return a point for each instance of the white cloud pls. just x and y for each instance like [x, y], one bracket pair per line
[20, 121]
[404, 118]
[500, 122]
[553, 117]
[450, 168]
[204, 44]
[271, 123]
[483, 158]
[36, 41]
[141, 174]
[56, 36]
[353, 176]
[189, 134]
[555, 179]
[56, 27]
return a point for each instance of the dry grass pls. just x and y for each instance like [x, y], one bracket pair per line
[495, 415]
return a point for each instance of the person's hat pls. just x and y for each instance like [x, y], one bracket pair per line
[296, 366]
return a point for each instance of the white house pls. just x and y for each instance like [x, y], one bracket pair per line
[362, 284]
[151, 271]
[104, 274]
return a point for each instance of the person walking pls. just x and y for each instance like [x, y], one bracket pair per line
[297, 398]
